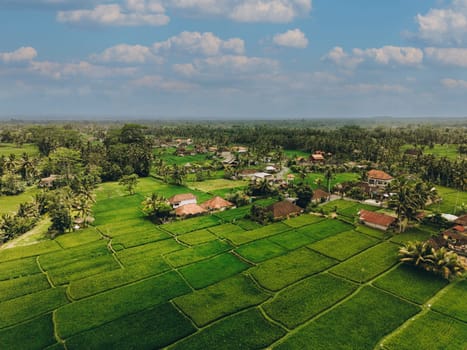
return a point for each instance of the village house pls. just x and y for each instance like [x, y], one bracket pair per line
[217, 204]
[283, 210]
[182, 199]
[191, 209]
[376, 220]
[317, 157]
[379, 179]
[320, 196]
[48, 181]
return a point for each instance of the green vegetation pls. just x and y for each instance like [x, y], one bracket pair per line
[246, 330]
[17, 287]
[207, 272]
[280, 272]
[217, 184]
[78, 238]
[410, 283]
[303, 220]
[344, 245]
[339, 178]
[221, 299]
[451, 201]
[378, 313]
[197, 237]
[88, 313]
[197, 253]
[263, 232]
[148, 251]
[10, 204]
[429, 331]
[18, 268]
[296, 304]
[452, 302]
[149, 329]
[189, 225]
[413, 234]
[9, 148]
[140, 236]
[261, 250]
[226, 230]
[29, 250]
[368, 264]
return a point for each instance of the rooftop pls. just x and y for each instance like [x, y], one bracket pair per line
[379, 174]
[181, 197]
[376, 218]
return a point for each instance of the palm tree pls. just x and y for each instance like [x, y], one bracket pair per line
[415, 253]
[328, 176]
[156, 206]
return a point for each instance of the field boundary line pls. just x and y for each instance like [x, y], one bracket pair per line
[52, 285]
[188, 317]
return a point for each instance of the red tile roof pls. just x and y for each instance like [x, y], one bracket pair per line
[284, 209]
[459, 228]
[461, 220]
[181, 197]
[189, 209]
[379, 174]
[376, 218]
[216, 203]
[317, 157]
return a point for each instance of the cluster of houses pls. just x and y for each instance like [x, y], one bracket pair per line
[454, 238]
[186, 205]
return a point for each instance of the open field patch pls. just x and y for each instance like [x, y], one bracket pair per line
[344, 245]
[263, 232]
[324, 229]
[91, 312]
[261, 250]
[378, 313]
[282, 271]
[452, 302]
[221, 299]
[291, 240]
[226, 230]
[29, 306]
[189, 225]
[153, 328]
[10, 204]
[451, 201]
[197, 253]
[18, 268]
[116, 278]
[429, 331]
[413, 234]
[296, 304]
[371, 231]
[217, 184]
[197, 237]
[17, 287]
[29, 250]
[148, 251]
[247, 224]
[369, 264]
[73, 239]
[34, 334]
[246, 330]
[411, 283]
[207, 272]
[232, 215]
[10, 148]
[303, 220]
[140, 236]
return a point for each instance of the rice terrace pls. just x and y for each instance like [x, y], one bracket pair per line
[235, 247]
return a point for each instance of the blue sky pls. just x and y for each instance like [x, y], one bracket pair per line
[282, 59]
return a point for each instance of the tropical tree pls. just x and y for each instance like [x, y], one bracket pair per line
[156, 207]
[304, 195]
[129, 182]
[328, 176]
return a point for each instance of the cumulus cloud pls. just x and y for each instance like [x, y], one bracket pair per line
[201, 43]
[441, 25]
[186, 69]
[292, 38]
[385, 55]
[236, 64]
[57, 70]
[454, 84]
[158, 82]
[376, 88]
[276, 11]
[132, 13]
[124, 53]
[447, 56]
[22, 54]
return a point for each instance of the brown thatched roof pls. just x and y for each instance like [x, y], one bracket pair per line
[318, 194]
[189, 209]
[376, 218]
[216, 203]
[181, 197]
[379, 175]
[284, 209]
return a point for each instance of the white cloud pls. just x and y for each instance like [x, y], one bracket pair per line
[449, 56]
[276, 11]
[56, 70]
[454, 84]
[124, 53]
[441, 25]
[201, 43]
[292, 38]
[385, 55]
[156, 81]
[237, 64]
[134, 13]
[375, 88]
[22, 54]
[186, 69]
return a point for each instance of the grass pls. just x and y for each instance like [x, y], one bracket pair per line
[18, 268]
[452, 302]
[261, 250]
[70, 240]
[413, 234]
[429, 331]
[9, 148]
[344, 245]
[451, 200]
[263, 232]
[371, 231]
[142, 253]
[338, 178]
[29, 306]
[247, 224]
[324, 229]
[300, 302]
[28, 251]
[280, 272]
[184, 226]
[197, 237]
[17, 287]
[207, 272]
[291, 240]
[221, 299]
[378, 313]
[303, 220]
[226, 230]
[34, 334]
[411, 283]
[448, 151]
[197, 253]
[140, 236]
[232, 215]
[368, 264]
[217, 184]
[108, 280]
[246, 330]
[296, 153]
[91, 312]
[153, 328]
